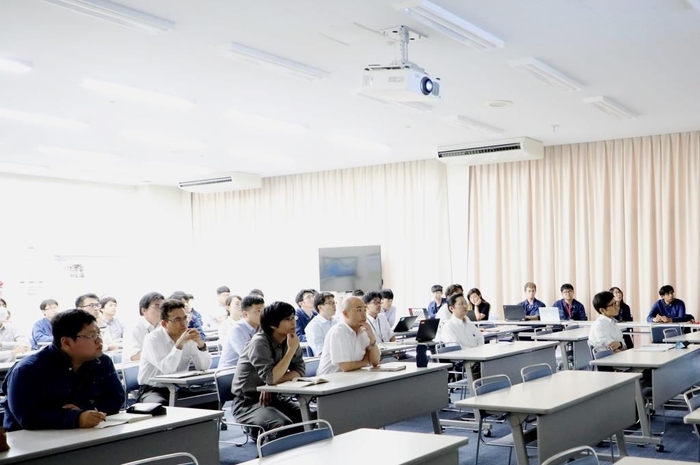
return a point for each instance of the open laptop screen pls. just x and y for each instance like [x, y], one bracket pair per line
[513, 313]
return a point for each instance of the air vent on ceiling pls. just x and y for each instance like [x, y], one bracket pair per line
[495, 152]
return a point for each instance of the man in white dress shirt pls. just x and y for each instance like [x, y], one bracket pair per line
[318, 327]
[350, 344]
[11, 342]
[459, 329]
[388, 308]
[377, 321]
[170, 349]
[604, 332]
[149, 309]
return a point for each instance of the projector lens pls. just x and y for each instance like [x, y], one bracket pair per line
[426, 86]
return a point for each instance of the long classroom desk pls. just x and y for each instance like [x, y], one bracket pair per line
[572, 408]
[672, 373]
[691, 338]
[367, 399]
[174, 383]
[180, 430]
[578, 338]
[648, 461]
[369, 446]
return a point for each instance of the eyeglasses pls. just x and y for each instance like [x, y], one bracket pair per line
[291, 318]
[611, 304]
[93, 336]
[179, 320]
[91, 306]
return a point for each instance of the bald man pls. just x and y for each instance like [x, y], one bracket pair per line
[350, 344]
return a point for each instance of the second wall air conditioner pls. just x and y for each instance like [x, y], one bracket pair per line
[504, 151]
[222, 183]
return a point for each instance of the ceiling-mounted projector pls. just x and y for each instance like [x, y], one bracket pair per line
[401, 82]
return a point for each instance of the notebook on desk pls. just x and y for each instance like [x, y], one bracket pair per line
[550, 315]
[404, 324]
[513, 313]
[187, 374]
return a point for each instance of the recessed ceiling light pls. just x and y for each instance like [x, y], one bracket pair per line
[546, 74]
[498, 103]
[357, 143]
[451, 25]
[610, 107]
[163, 140]
[12, 65]
[135, 94]
[266, 124]
[44, 120]
[276, 63]
[117, 14]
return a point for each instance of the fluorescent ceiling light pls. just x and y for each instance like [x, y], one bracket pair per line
[265, 123]
[12, 65]
[87, 155]
[546, 74]
[258, 57]
[163, 140]
[357, 142]
[610, 107]
[451, 25]
[478, 126]
[135, 94]
[34, 118]
[117, 14]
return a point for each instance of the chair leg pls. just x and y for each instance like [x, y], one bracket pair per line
[478, 440]
[510, 454]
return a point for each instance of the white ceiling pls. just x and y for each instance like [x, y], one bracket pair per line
[641, 53]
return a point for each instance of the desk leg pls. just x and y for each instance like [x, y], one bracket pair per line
[305, 407]
[518, 438]
[173, 395]
[437, 429]
[621, 445]
[641, 411]
[564, 357]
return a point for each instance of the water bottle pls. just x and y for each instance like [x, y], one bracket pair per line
[422, 356]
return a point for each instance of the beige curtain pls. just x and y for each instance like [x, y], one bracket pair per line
[269, 237]
[620, 213]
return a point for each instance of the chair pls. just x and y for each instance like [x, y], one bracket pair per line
[601, 352]
[116, 357]
[224, 379]
[267, 445]
[215, 361]
[484, 386]
[130, 378]
[583, 455]
[312, 365]
[191, 460]
[657, 332]
[692, 400]
[541, 332]
[536, 371]
[572, 326]
[670, 332]
[463, 383]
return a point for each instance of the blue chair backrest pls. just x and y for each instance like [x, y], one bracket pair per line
[602, 353]
[540, 370]
[215, 361]
[224, 379]
[671, 332]
[130, 374]
[116, 357]
[312, 365]
[692, 399]
[657, 333]
[449, 347]
[294, 440]
[490, 384]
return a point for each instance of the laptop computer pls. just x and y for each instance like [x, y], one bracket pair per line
[513, 313]
[417, 312]
[427, 329]
[404, 324]
[471, 315]
[549, 315]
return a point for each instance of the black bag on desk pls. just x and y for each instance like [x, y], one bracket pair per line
[152, 408]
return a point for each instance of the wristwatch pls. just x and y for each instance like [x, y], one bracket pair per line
[203, 348]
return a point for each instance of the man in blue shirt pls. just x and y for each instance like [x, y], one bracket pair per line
[437, 302]
[305, 312]
[69, 384]
[570, 308]
[668, 309]
[531, 304]
[41, 332]
[242, 332]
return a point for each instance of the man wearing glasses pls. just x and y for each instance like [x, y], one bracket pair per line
[170, 349]
[69, 384]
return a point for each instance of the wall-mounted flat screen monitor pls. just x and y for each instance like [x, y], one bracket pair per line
[344, 269]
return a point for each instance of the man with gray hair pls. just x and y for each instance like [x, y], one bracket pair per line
[351, 343]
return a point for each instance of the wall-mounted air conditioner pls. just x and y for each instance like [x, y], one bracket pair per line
[504, 151]
[222, 183]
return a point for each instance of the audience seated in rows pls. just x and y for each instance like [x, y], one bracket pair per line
[377, 321]
[113, 328]
[531, 305]
[388, 308]
[318, 327]
[305, 312]
[11, 341]
[668, 309]
[42, 332]
[149, 309]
